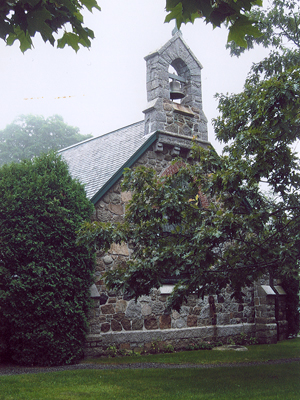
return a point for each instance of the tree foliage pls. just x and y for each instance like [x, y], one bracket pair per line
[30, 135]
[278, 24]
[44, 275]
[22, 19]
[233, 13]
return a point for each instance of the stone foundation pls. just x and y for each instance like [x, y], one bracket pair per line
[96, 345]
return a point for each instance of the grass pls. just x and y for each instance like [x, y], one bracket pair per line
[268, 382]
[255, 382]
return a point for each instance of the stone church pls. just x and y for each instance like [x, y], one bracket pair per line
[173, 73]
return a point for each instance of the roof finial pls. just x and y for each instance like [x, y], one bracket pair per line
[175, 30]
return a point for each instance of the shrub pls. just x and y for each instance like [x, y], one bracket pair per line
[201, 345]
[44, 275]
[168, 348]
[112, 351]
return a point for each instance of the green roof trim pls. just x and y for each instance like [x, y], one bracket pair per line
[129, 163]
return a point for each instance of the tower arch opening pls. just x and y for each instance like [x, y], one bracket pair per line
[178, 76]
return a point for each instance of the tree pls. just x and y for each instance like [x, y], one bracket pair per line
[44, 275]
[279, 26]
[22, 19]
[29, 135]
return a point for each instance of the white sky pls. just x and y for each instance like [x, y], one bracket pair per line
[105, 87]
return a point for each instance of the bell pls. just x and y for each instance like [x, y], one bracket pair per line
[175, 90]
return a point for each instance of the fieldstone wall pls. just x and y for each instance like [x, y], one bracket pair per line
[185, 121]
[266, 327]
[180, 339]
[114, 313]
[130, 325]
[126, 324]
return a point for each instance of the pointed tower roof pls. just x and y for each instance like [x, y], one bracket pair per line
[180, 45]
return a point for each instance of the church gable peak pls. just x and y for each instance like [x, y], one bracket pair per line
[173, 49]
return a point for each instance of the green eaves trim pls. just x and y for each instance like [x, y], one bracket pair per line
[129, 163]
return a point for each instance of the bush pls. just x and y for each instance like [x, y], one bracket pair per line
[44, 275]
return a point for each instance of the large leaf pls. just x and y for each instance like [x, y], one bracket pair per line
[70, 39]
[37, 22]
[240, 28]
[90, 4]
[24, 39]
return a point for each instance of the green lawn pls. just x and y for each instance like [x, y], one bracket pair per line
[281, 381]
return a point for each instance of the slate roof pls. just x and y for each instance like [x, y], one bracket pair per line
[98, 162]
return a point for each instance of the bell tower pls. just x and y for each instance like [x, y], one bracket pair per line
[174, 96]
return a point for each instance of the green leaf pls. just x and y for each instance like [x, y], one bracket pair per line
[221, 13]
[24, 39]
[45, 17]
[90, 4]
[69, 38]
[241, 27]
[39, 232]
[176, 14]
[37, 22]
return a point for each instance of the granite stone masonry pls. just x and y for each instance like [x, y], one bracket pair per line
[134, 325]
[184, 119]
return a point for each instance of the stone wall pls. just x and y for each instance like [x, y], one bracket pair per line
[266, 328]
[117, 320]
[180, 339]
[185, 121]
[114, 313]
[132, 325]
